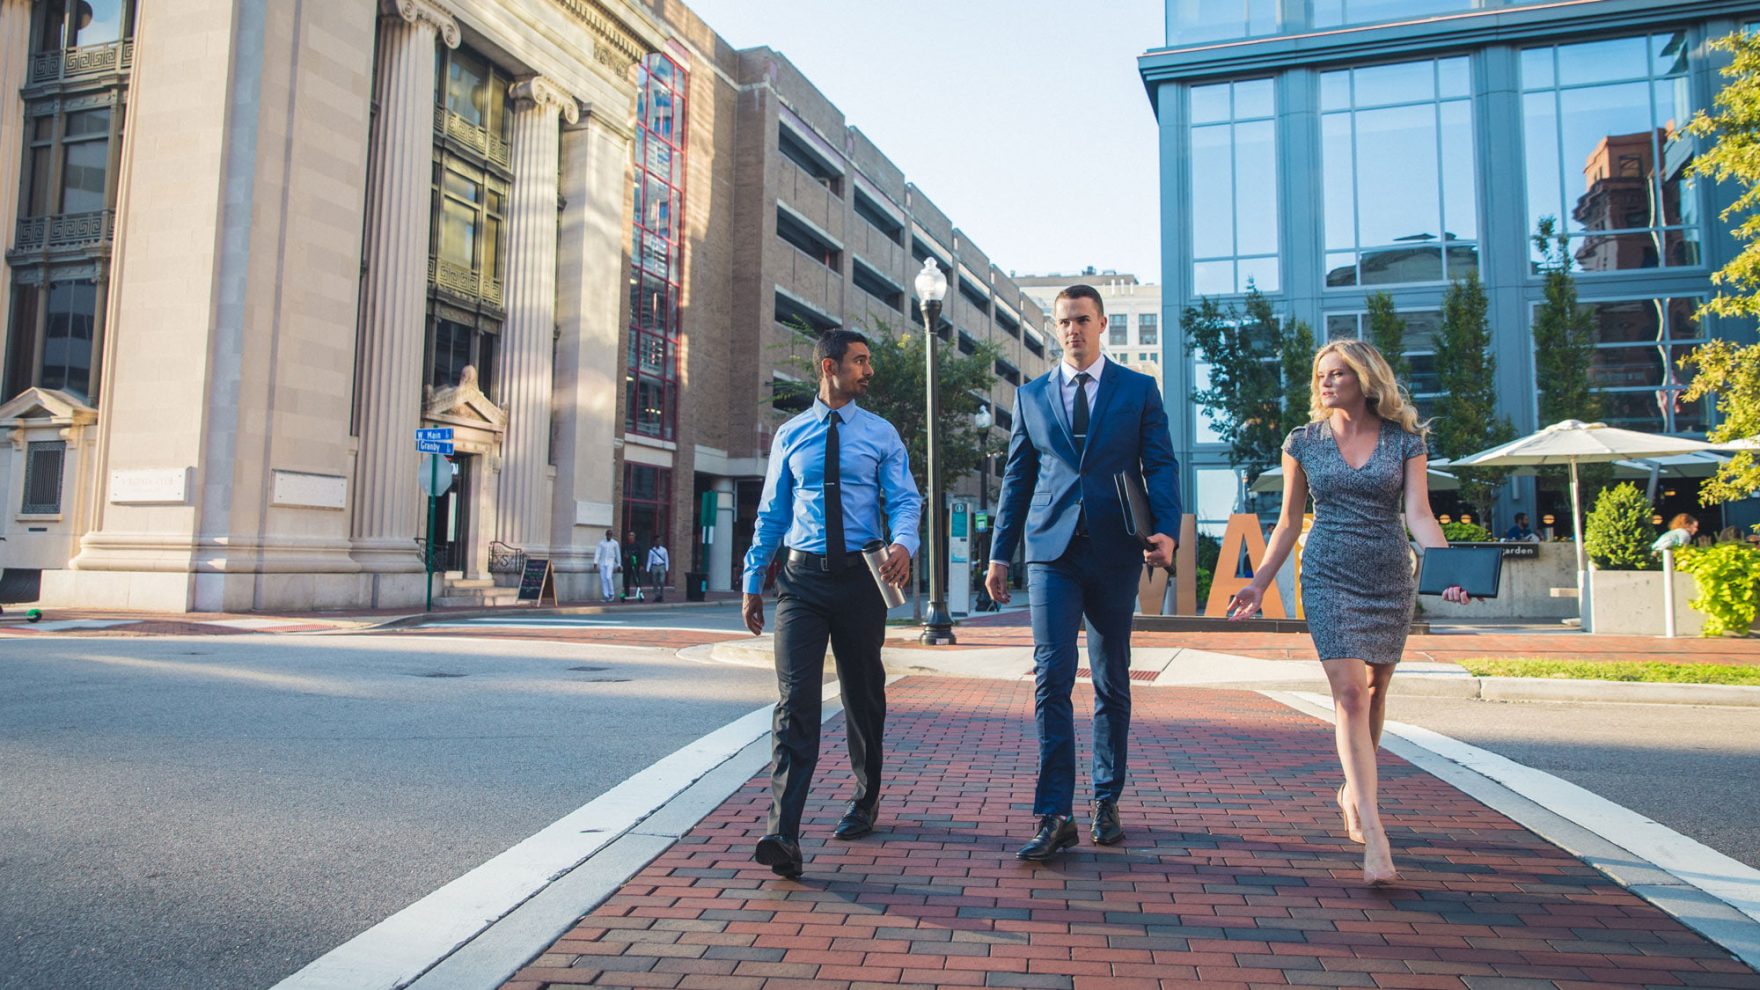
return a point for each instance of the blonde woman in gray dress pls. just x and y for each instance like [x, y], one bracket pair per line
[1362, 458]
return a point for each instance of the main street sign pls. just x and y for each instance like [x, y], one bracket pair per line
[435, 433]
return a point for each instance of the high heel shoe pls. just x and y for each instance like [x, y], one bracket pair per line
[1379, 877]
[1351, 828]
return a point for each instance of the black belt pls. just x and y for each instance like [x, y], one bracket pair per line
[818, 562]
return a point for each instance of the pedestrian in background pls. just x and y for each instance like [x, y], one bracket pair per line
[839, 479]
[1681, 530]
[605, 557]
[632, 567]
[658, 564]
[1363, 458]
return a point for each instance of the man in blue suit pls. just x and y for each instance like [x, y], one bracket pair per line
[1075, 428]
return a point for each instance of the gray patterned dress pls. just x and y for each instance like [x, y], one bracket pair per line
[1357, 583]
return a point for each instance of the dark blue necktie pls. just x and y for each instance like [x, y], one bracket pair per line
[833, 495]
[1078, 421]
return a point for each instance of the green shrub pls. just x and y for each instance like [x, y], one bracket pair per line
[1729, 585]
[1465, 532]
[1618, 532]
[1209, 549]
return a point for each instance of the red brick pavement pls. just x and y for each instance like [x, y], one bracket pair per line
[1234, 875]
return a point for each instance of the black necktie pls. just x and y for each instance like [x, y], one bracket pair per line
[833, 496]
[1079, 421]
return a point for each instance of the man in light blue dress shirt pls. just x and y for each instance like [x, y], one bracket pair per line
[839, 481]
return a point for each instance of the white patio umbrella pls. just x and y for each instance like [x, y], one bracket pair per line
[1574, 442]
[1272, 481]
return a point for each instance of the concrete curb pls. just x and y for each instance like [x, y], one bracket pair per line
[1422, 680]
[514, 612]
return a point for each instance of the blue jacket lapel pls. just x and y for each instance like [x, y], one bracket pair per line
[1110, 382]
[1051, 393]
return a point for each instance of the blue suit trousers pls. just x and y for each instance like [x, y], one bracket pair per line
[1063, 594]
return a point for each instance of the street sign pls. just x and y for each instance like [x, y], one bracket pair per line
[434, 447]
[435, 433]
[435, 475]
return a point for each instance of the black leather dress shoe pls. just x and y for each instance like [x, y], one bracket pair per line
[1107, 830]
[781, 853]
[856, 822]
[1056, 832]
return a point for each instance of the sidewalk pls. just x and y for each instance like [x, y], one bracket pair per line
[1234, 874]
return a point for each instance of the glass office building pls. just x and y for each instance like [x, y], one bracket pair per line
[1325, 150]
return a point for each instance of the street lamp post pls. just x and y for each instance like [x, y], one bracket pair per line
[938, 626]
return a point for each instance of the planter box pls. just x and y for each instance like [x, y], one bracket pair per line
[1629, 603]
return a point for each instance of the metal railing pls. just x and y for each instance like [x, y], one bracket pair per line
[65, 231]
[86, 60]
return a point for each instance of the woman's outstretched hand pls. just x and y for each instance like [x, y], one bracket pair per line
[1244, 603]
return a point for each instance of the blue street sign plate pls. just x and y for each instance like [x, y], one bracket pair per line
[439, 433]
[434, 447]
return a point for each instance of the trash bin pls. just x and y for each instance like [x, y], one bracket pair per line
[696, 584]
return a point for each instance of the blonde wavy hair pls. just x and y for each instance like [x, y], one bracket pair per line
[1387, 398]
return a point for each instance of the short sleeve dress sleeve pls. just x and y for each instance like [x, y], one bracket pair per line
[1411, 445]
[1292, 444]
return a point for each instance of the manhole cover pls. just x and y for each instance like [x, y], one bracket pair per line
[589, 670]
[437, 673]
[607, 680]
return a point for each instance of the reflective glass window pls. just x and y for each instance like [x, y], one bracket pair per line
[1398, 184]
[1606, 153]
[68, 336]
[651, 361]
[1195, 21]
[1218, 494]
[1332, 13]
[1233, 213]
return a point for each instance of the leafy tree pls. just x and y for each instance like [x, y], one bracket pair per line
[1387, 331]
[1617, 533]
[1466, 412]
[900, 396]
[1564, 336]
[1245, 347]
[1298, 373]
[1734, 156]
[1731, 373]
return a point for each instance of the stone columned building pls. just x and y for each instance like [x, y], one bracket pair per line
[256, 245]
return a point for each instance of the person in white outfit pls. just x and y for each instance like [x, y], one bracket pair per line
[605, 558]
[659, 562]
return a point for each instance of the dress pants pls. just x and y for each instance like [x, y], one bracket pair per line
[813, 608]
[607, 583]
[1062, 594]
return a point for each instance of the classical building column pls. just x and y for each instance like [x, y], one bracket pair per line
[15, 31]
[386, 497]
[528, 335]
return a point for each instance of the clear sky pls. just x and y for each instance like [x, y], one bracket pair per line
[1024, 120]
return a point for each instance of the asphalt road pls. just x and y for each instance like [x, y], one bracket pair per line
[1696, 770]
[218, 811]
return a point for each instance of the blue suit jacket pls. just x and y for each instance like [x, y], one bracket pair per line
[1046, 486]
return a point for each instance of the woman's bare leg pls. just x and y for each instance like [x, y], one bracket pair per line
[1352, 704]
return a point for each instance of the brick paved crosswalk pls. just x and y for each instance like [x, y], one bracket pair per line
[1235, 874]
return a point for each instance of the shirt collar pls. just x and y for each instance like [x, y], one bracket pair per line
[1092, 370]
[848, 412]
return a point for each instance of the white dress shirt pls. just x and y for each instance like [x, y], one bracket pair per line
[1066, 386]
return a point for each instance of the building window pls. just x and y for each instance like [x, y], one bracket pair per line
[53, 338]
[1607, 153]
[808, 240]
[1148, 329]
[1004, 418]
[647, 499]
[657, 270]
[801, 318]
[1117, 330]
[878, 217]
[1009, 372]
[1219, 492]
[1193, 21]
[1636, 371]
[42, 477]
[1205, 426]
[457, 341]
[789, 395]
[1009, 324]
[469, 230]
[869, 280]
[1397, 152]
[808, 159]
[1332, 13]
[975, 295]
[1033, 345]
[1234, 188]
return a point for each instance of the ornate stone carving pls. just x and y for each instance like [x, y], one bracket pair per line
[428, 11]
[614, 46]
[540, 92]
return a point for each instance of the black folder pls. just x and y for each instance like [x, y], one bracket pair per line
[1133, 500]
[1478, 570]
